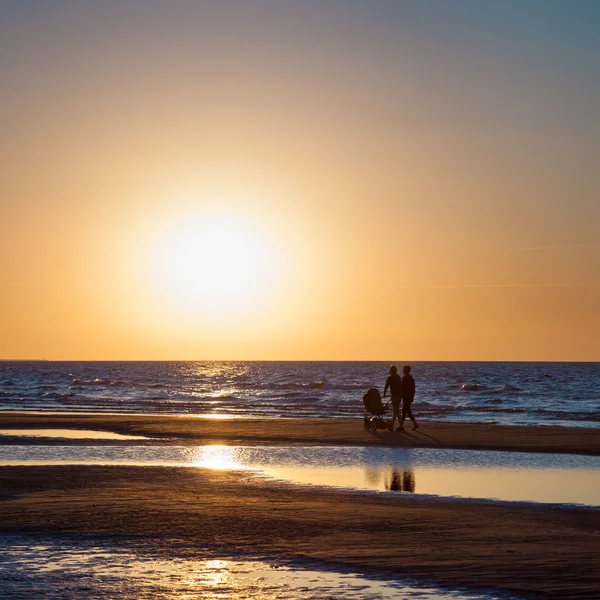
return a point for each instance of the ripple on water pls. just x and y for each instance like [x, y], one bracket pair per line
[483, 474]
[67, 569]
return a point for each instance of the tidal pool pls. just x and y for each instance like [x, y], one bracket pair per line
[75, 568]
[508, 476]
[76, 434]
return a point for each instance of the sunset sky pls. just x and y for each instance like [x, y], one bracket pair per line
[318, 179]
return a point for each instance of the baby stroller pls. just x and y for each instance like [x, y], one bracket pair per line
[376, 414]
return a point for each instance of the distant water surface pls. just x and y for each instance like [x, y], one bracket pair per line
[566, 394]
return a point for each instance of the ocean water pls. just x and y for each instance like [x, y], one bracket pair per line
[566, 394]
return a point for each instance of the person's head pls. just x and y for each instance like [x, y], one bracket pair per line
[393, 370]
[406, 369]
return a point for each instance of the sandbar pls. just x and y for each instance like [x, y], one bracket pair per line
[348, 432]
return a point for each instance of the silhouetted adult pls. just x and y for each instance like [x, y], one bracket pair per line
[408, 395]
[394, 383]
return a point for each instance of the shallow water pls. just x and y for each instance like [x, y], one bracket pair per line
[68, 569]
[75, 434]
[507, 393]
[507, 476]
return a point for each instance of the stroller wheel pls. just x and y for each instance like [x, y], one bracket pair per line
[373, 426]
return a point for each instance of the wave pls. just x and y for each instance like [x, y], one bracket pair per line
[476, 392]
[106, 382]
[472, 387]
[316, 385]
[119, 383]
[547, 413]
[57, 395]
[507, 388]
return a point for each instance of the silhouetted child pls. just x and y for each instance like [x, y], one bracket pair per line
[408, 395]
[394, 383]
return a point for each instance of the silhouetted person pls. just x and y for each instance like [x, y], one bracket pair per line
[394, 383]
[408, 395]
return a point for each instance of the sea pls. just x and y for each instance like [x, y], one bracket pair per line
[508, 393]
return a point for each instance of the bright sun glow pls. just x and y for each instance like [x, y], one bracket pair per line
[215, 263]
[221, 458]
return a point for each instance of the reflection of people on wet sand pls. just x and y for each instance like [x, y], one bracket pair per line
[396, 481]
[402, 480]
[408, 481]
[408, 395]
[394, 383]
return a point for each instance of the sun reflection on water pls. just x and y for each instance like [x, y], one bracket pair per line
[215, 416]
[212, 577]
[78, 569]
[457, 473]
[220, 458]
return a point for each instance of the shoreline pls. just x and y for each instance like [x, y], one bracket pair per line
[548, 551]
[166, 429]
[524, 548]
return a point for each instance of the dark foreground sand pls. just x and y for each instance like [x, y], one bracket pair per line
[548, 550]
[196, 430]
[551, 551]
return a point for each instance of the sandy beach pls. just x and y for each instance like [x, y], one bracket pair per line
[552, 551]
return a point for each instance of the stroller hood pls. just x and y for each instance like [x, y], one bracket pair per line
[372, 402]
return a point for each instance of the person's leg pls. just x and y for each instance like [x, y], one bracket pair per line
[403, 416]
[396, 412]
[406, 409]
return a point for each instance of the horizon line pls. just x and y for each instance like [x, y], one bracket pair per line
[328, 360]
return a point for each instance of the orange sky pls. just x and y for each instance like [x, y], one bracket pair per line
[374, 180]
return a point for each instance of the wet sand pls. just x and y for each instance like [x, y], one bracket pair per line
[195, 430]
[553, 551]
[549, 550]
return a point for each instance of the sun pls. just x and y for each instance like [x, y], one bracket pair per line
[215, 263]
